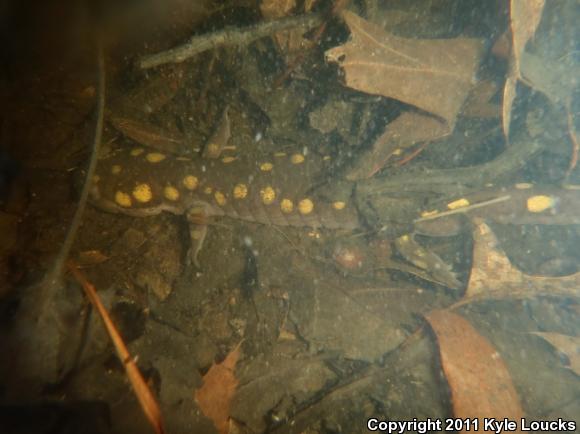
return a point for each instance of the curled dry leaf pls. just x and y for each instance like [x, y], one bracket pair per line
[478, 379]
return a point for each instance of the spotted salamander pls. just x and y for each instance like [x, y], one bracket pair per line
[274, 190]
[277, 191]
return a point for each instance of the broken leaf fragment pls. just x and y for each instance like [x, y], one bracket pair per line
[493, 275]
[567, 345]
[478, 378]
[219, 385]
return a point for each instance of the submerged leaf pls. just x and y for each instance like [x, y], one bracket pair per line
[525, 16]
[493, 275]
[214, 397]
[479, 381]
[434, 75]
[568, 345]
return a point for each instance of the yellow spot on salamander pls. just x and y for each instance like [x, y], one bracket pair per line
[190, 182]
[339, 205]
[540, 203]
[286, 206]
[314, 234]
[429, 213]
[208, 190]
[240, 191]
[171, 193]
[115, 169]
[297, 158]
[459, 203]
[220, 198]
[227, 160]
[196, 234]
[266, 167]
[280, 154]
[155, 157]
[123, 199]
[305, 206]
[268, 195]
[213, 150]
[135, 152]
[142, 192]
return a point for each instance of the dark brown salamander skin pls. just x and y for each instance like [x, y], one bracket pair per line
[276, 191]
[272, 191]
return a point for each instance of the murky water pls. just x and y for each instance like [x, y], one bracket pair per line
[364, 213]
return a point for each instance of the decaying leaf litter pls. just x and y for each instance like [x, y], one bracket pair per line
[356, 337]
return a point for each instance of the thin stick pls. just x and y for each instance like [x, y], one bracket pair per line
[142, 391]
[228, 37]
[53, 277]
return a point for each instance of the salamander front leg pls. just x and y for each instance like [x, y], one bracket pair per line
[197, 218]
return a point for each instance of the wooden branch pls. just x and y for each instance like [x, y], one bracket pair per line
[229, 37]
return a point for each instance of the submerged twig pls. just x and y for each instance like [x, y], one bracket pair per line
[228, 37]
[53, 277]
[142, 390]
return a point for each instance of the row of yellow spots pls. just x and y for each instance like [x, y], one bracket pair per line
[142, 193]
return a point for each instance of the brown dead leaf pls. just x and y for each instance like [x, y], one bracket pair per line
[272, 9]
[154, 94]
[478, 105]
[493, 275]
[148, 134]
[568, 345]
[525, 16]
[433, 75]
[478, 379]
[288, 41]
[214, 397]
[407, 130]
